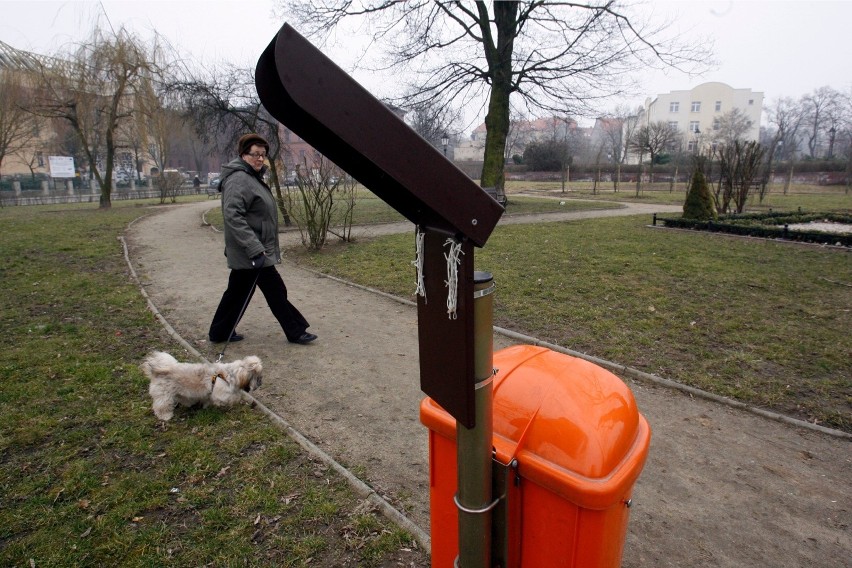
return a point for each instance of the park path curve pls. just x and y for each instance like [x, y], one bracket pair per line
[721, 488]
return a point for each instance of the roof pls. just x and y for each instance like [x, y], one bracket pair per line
[18, 59]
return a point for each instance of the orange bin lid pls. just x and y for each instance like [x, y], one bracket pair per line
[573, 426]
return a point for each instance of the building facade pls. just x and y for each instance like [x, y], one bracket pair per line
[695, 113]
[521, 133]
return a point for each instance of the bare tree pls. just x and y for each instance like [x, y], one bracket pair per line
[225, 106]
[836, 118]
[564, 134]
[433, 121]
[17, 126]
[654, 140]
[169, 183]
[732, 126]
[617, 130]
[740, 165]
[844, 136]
[518, 135]
[787, 116]
[557, 57]
[95, 91]
[819, 107]
[159, 125]
[321, 195]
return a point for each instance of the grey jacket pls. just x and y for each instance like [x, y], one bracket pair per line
[250, 216]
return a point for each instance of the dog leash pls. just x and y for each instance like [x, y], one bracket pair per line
[242, 312]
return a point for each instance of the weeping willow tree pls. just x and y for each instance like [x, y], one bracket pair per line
[95, 90]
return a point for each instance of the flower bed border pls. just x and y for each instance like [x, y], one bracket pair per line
[771, 225]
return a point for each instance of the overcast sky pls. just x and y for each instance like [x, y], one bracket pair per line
[780, 48]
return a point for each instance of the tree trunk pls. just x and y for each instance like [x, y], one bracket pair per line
[617, 179]
[106, 183]
[276, 185]
[789, 179]
[499, 59]
[565, 175]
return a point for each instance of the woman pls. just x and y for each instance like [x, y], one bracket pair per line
[251, 246]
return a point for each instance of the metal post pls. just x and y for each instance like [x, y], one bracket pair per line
[474, 445]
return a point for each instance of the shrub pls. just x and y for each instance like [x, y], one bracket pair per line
[769, 226]
[699, 202]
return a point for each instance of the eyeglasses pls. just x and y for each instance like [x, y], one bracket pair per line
[256, 155]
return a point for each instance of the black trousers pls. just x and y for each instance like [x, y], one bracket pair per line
[238, 294]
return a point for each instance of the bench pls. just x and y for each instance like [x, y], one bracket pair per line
[492, 191]
[212, 192]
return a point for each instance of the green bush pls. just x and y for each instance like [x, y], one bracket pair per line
[699, 203]
[768, 225]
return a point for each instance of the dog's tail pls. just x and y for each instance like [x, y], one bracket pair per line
[158, 363]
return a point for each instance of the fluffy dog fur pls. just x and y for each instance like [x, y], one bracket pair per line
[219, 384]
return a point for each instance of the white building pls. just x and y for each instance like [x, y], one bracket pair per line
[694, 113]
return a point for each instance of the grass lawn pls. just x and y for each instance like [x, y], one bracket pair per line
[372, 210]
[89, 477]
[762, 322]
[808, 197]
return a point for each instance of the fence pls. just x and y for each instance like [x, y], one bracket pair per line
[55, 193]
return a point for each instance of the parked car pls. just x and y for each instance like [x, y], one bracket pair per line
[214, 183]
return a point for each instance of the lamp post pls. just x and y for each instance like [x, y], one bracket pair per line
[697, 133]
[831, 132]
[445, 140]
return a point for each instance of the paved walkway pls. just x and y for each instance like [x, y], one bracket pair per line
[722, 487]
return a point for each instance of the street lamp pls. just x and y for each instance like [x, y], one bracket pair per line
[697, 133]
[831, 133]
[445, 140]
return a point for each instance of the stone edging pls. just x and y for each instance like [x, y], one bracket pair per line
[361, 488]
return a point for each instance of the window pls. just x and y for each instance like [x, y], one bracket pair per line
[693, 126]
[674, 107]
[696, 106]
[692, 146]
[40, 159]
[718, 106]
[716, 124]
[673, 124]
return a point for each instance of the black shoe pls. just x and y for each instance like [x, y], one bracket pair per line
[234, 338]
[305, 338]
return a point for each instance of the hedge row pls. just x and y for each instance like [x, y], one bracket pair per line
[769, 226]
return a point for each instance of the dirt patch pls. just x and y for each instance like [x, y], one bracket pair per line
[721, 488]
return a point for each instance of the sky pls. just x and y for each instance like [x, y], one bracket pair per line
[777, 47]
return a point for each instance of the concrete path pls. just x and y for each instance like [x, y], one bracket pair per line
[721, 488]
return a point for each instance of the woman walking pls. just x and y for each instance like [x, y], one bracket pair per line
[251, 246]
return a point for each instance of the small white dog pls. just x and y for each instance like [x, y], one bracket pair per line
[219, 384]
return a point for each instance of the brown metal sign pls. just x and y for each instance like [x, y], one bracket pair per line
[328, 109]
[446, 343]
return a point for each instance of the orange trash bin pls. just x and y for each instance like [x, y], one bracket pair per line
[578, 443]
